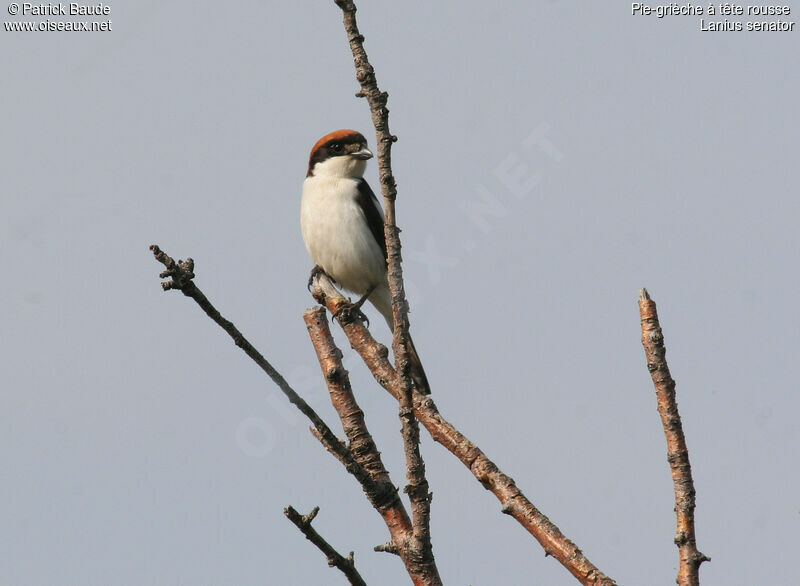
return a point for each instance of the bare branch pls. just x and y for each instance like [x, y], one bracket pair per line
[677, 452]
[335, 559]
[417, 488]
[388, 547]
[513, 501]
[181, 275]
[362, 445]
[375, 481]
[381, 492]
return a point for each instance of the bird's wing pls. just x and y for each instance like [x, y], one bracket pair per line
[373, 213]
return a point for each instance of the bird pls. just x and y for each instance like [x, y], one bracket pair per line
[342, 226]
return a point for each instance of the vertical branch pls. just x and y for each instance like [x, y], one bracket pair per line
[677, 452]
[377, 100]
[417, 488]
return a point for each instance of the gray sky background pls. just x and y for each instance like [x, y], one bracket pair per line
[140, 446]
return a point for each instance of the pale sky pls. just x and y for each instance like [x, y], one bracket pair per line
[553, 158]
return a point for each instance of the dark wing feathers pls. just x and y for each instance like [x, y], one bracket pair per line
[371, 208]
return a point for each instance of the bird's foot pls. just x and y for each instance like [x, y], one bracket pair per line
[315, 272]
[347, 312]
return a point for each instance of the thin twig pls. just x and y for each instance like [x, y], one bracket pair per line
[181, 274]
[335, 559]
[417, 488]
[512, 499]
[677, 452]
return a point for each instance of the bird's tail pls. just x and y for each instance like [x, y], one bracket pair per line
[417, 372]
[382, 301]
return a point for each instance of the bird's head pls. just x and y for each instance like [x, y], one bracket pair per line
[342, 153]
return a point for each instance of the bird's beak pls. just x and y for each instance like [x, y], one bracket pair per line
[362, 155]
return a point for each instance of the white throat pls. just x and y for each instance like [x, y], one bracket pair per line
[343, 166]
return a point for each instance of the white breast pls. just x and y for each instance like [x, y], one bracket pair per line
[336, 233]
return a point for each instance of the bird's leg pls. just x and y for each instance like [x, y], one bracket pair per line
[360, 302]
[344, 312]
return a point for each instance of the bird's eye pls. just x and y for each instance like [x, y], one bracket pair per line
[336, 147]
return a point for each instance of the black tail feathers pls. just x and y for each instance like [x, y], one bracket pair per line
[417, 372]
